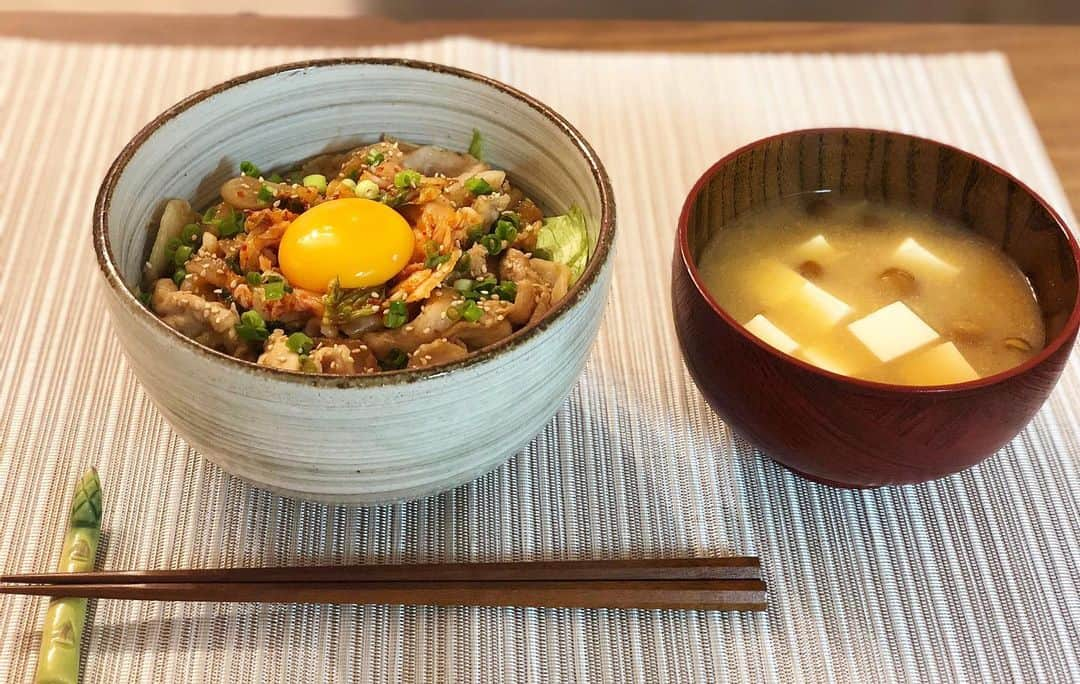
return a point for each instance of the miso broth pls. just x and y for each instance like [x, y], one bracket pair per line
[874, 292]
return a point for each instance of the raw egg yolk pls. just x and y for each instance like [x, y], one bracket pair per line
[360, 242]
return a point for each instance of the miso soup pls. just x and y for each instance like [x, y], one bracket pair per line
[874, 292]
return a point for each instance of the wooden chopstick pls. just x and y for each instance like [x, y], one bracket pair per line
[727, 583]
[740, 594]
[721, 568]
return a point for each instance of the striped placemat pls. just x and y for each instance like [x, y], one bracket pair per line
[973, 578]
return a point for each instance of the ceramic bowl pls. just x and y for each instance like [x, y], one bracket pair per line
[362, 439]
[837, 429]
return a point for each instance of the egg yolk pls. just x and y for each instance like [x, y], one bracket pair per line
[360, 242]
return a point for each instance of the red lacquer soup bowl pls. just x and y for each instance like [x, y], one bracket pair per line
[836, 429]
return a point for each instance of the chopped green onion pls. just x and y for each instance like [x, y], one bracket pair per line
[436, 260]
[472, 312]
[507, 290]
[374, 157]
[190, 234]
[274, 290]
[511, 216]
[492, 244]
[396, 314]
[395, 360]
[453, 313]
[144, 297]
[181, 255]
[252, 328]
[232, 224]
[171, 246]
[504, 230]
[475, 233]
[464, 284]
[366, 189]
[472, 295]
[478, 186]
[487, 285]
[392, 199]
[300, 343]
[253, 278]
[543, 254]
[294, 177]
[349, 183]
[249, 334]
[266, 194]
[315, 180]
[275, 178]
[407, 179]
[476, 145]
[178, 276]
[249, 169]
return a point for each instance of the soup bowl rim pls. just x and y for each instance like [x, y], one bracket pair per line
[597, 259]
[1067, 332]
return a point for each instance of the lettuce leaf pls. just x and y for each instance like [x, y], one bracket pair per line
[566, 239]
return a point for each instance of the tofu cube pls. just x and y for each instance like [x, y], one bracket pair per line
[810, 312]
[816, 249]
[841, 351]
[824, 305]
[770, 282]
[827, 359]
[919, 259]
[941, 364]
[892, 331]
[766, 331]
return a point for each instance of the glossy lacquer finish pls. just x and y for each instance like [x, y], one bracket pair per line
[850, 432]
[359, 439]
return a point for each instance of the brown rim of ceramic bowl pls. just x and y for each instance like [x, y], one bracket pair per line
[601, 252]
[1070, 328]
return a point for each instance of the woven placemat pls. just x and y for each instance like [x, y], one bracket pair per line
[974, 577]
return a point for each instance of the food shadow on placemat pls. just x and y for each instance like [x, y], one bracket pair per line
[601, 480]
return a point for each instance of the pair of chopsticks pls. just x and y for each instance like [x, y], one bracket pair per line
[729, 583]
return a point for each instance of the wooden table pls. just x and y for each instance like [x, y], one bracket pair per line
[1046, 60]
